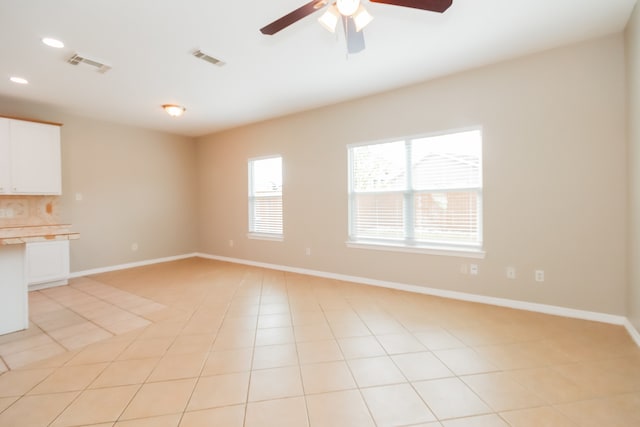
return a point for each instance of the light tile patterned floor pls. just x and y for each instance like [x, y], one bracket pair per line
[238, 346]
[72, 317]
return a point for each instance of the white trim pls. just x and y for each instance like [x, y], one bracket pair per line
[635, 334]
[252, 198]
[99, 270]
[443, 251]
[265, 157]
[47, 285]
[463, 296]
[432, 134]
[265, 236]
[407, 193]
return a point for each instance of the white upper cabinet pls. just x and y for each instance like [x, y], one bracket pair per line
[5, 157]
[30, 160]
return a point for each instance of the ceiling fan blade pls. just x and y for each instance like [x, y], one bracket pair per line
[431, 5]
[355, 39]
[295, 16]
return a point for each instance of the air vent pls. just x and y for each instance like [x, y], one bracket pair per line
[215, 61]
[76, 59]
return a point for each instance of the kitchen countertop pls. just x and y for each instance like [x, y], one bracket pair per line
[17, 235]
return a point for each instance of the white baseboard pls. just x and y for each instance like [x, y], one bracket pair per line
[76, 274]
[463, 296]
[632, 331]
[47, 285]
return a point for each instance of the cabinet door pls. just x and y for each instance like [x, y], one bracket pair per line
[5, 157]
[47, 261]
[35, 158]
[14, 310]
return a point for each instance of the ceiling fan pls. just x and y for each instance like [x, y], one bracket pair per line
[353, 15]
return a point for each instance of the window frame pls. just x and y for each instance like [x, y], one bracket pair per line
[259, 235]
[408, 243]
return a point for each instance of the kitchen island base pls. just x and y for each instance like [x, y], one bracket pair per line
[14, 299]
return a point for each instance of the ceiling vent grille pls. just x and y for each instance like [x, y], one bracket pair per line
[210, 59]
[76, 59]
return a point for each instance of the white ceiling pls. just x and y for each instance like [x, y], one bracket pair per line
[149, 43]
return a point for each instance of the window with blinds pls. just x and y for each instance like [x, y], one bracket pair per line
[418, 192]
[265, 196]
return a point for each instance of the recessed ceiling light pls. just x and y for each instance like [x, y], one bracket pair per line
[19, 80]
[53, 42]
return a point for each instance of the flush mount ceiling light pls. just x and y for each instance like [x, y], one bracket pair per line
[174, 110]
[51, 42]
[19, 80]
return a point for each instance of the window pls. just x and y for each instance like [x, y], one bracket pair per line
[265, 197]
[418, 193]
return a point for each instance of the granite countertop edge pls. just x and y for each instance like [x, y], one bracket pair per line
[20, 234]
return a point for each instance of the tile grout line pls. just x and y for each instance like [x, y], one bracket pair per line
[115, 359]
[350, 298]
[375, 336]
[209, 351]
[86, 319]
[87, 387]
[304, 394]
[253, 349]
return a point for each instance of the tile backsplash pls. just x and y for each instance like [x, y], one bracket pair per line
[29, 210]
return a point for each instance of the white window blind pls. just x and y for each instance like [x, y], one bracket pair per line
[417, 192]
[265, 196]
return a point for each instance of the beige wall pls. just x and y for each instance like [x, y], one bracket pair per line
[555, 183]
[633, 79]
[555, 179]
[137, 186]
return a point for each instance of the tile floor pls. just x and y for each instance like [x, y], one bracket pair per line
[235, 346]
[71, 317]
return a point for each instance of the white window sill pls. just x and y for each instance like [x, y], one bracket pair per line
[263, 236]
[442, 251]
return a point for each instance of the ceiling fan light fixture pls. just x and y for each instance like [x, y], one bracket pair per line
[348, 7]
[174, 110]
[362, 18]
[330, 18]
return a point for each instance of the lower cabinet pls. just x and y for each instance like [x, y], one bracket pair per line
[14, 309]
[47, 264]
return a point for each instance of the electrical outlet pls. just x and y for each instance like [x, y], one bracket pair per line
[473, 269]
[307, 251]
[134, 247]
[539, 275]
[231, 243]
[511, 272]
